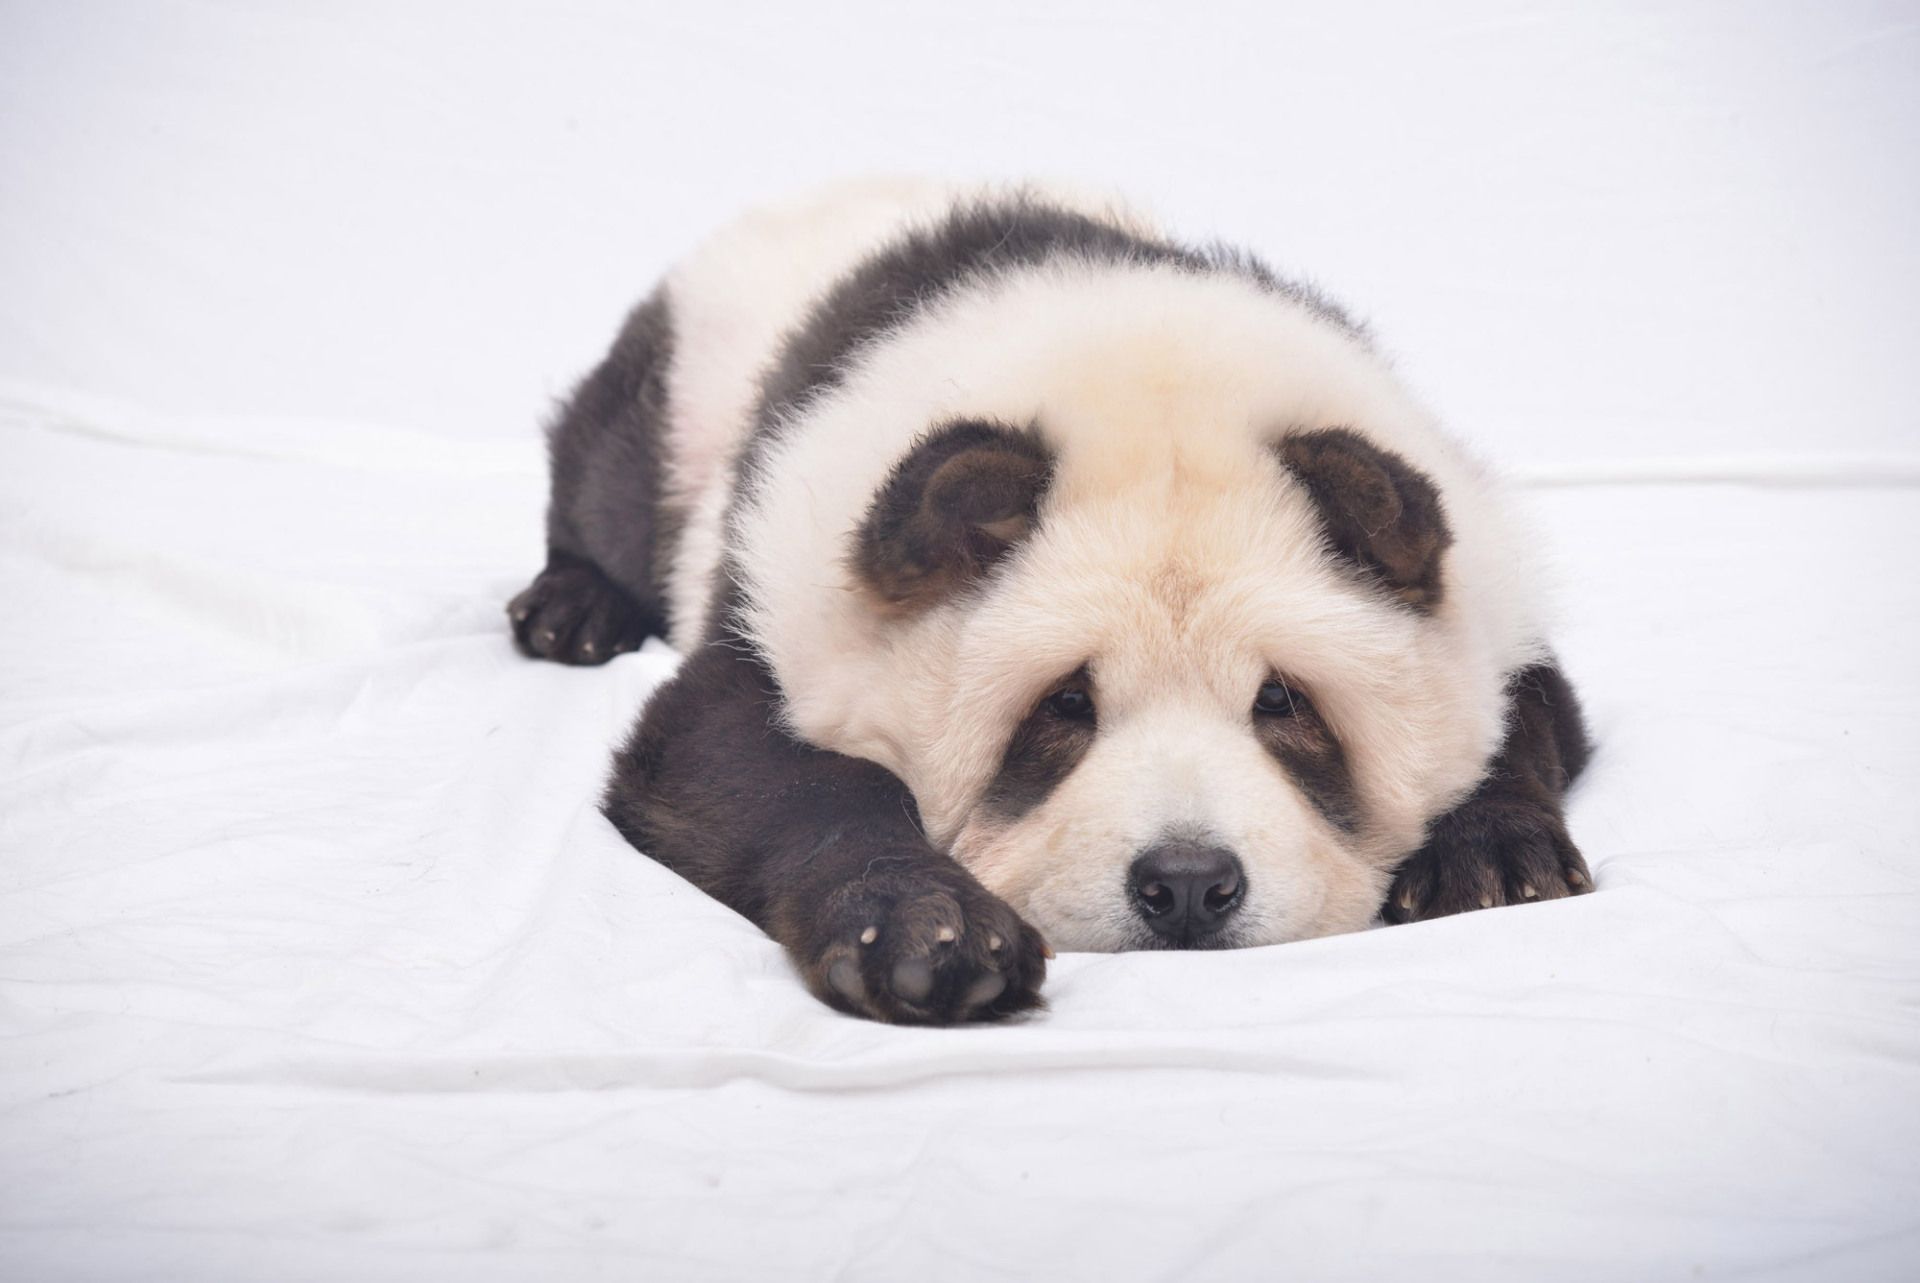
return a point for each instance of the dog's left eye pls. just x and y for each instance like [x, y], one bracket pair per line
[1072, 703]
[1277, 699]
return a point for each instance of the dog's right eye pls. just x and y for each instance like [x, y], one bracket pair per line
[1072, 703]
[1277, 699]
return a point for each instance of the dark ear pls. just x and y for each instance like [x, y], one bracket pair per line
[962, 497]
[1379, 511]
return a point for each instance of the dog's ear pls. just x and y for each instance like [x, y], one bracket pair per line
[1379, 511]
[960, 500]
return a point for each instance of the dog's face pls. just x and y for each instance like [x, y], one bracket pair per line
[1160, 640]
[1171, 700]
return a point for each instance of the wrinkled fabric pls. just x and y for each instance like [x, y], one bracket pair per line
[319, 961]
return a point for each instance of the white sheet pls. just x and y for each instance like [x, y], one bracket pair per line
[319, 962]
[316, 961]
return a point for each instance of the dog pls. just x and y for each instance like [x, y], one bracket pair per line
[1044, 582]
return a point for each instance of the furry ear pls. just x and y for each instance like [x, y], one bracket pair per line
[964, 495]
[1379, 511]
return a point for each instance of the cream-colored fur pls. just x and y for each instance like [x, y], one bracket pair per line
[733, 299]
[1174, 556]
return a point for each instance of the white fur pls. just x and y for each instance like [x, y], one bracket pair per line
[732, 300]
[1174, 554]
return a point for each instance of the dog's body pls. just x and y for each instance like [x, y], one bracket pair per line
[1036, 571]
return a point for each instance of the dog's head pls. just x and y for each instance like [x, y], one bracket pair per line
[1157, 630]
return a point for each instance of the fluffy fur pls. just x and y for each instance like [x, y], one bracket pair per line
[910, 464]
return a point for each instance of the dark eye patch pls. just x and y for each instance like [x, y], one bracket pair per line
[1045, 747]
[1294, 733]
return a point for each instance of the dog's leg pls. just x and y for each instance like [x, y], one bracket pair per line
[1507, 842]
[824, 852]
[601, 592]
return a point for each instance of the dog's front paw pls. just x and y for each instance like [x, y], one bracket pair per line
[923, 946]
[573, 614]
[1488, 852]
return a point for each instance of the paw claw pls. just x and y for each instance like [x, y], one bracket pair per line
[573, 614]
[1493, 851]
[925, 946]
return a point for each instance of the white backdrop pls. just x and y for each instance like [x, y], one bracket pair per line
[1593, 231]
[316, 960]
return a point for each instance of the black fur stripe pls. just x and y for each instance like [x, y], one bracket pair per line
[974, 242]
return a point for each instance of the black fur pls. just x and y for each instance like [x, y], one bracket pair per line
[1307, 749]
[573, 614]
[609, 539]
[607, 447]
[1045, 748]
[925, 266]
[825, 852]
[960, 500]
[1380, 512]
[1507, 843]
[1042, 752]
[975, 241]
[816, 848]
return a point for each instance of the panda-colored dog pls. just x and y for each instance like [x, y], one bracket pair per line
[1041, 579]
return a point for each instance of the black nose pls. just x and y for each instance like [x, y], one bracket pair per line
[1185, 890]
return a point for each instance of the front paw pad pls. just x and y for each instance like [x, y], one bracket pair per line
[1485, 854]
[925, 951]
